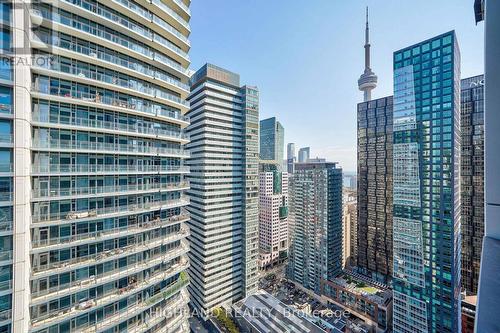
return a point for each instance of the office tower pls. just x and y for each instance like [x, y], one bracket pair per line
[489, 283]
[368, 80]
[92, 119]
[426, 198]
[304, 154]
[224, 188]
[472, 178]
[273, 212]
[272, 140]
[374, 230]
[316, 206]
[290, 157]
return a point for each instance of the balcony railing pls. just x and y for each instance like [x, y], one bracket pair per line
[172, 13]
[5, 226]
[5, 315]
[129, 103]
[5, 255]
[6, 138]
[94, 213]
[86, 306]
[133, 310]
[110, 254]
[114, 126]
[115, 274]
[97, 168]
[64, 192]
[6, 196]
[107, 147]
[114, 233]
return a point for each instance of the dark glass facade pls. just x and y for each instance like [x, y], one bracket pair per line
[472, 179]
[374, 227]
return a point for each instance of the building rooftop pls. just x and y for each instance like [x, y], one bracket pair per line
[371, 290]
[266, 314]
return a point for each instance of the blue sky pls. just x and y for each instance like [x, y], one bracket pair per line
[306, 56]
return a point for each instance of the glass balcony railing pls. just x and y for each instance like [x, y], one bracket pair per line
[6, 167]
[115, 80]
[181, 4]
[108, 255]
[140, 306]
[6, 138]
[102, 168]
[5, 255]
[66, 192]
[5, 285]
[97, 212]
[172, 13]
[133, 104]
[107, 147]
[114, 233]
[5, 315]
[108, 298]
[6, 196]
[116, 274]
[5, 226]
[115, 126]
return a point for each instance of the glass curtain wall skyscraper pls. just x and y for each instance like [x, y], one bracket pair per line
[304, 154]
[272, 141]
[426, 152]
[224, 178]
[290, 157]
[96, 113]
[472, 177]
[374, 225]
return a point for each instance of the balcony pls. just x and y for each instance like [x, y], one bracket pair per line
[5, 255]
[110, 233]
[107, 190]
[177, 18]
[97, 99]
[111, 295]
[84, 307]
[105, 256]
[6, 198]
[106, 211]
[106, 169]
[122, 316]
[113, 126]
[115, 274]
[102, 147]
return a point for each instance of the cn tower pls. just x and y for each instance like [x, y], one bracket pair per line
[368, 80]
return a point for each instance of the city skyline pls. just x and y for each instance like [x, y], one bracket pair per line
[304, 66]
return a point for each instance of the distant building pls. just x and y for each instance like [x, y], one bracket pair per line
[304, 154]
[317, 160]
[263, 313]
[224, 188]
[349, 218]
[365, 299]
[374, 230]
[472, 179]
[272, 141]
[468, 313]
[273, 214]
[316, 206]
[290, 157]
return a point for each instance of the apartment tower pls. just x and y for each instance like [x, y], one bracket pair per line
[290, 157]
[272, 141]
[92, 116]
[316, 206]
[224, 181]
[426, 197]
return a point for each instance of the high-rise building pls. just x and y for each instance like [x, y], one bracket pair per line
[224, 188]
[368, 80]
[349, 217]
[304, 154]
[273, 212]
[92, 119]
[472, 179]
[374, 229]
[489, 283]
[272, 141]
[316, 206]
[426, 197]
[290, 157]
